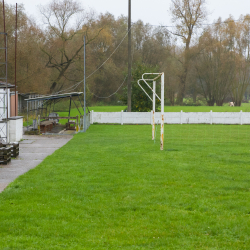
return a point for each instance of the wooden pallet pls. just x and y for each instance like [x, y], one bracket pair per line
[14, 148]
[5, 155]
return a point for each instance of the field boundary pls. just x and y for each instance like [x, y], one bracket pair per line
[170, 117]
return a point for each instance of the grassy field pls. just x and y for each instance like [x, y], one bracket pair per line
[245, 107]
[112, 188]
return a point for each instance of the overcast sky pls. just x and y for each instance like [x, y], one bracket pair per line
[154, 12]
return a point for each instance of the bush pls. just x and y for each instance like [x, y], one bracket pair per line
[140, 101]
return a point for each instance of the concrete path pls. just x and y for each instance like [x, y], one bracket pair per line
[33, 149]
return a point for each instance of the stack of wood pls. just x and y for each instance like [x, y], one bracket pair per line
[14, 149]
[5, 155]
[6, 149]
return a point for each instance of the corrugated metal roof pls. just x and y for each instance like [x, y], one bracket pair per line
[3, 85]
[51, 97]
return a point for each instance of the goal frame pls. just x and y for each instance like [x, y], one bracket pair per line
[158, 75]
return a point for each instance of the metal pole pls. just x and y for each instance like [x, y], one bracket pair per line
[69, 108]
[15, 59]
[76, 107]
[38, 124]
[129, 56]
[85, 122]
[6, 64]
[162, 111]
[4, 29]
[27, 116]
[153, 124]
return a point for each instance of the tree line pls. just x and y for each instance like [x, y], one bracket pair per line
[200, 60]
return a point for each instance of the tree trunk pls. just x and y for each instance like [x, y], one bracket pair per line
[238, 103]
[210, 102]
[194, 96]
[219, 102]
[171, 98]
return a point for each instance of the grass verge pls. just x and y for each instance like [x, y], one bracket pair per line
[112, 188]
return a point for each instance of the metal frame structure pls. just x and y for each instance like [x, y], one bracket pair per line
[53, 98]
[159, 75]
[4, 95]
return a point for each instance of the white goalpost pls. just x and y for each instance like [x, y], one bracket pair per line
[158, 75]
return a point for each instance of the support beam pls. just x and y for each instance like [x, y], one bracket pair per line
[69, 108]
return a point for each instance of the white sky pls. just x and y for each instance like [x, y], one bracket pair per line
[149, 11]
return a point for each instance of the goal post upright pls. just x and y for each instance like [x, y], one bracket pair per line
[162, 111]
[159, 75]
[153, 117]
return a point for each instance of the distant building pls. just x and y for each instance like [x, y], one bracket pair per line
[11, 126]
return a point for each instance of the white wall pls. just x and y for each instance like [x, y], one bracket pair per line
[171, 117]
[15, 129]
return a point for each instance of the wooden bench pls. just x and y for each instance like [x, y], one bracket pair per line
[46, 126]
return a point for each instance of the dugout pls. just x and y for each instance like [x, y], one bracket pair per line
[43, 112]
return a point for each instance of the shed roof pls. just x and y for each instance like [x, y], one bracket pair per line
[3, 85]
[51, 97]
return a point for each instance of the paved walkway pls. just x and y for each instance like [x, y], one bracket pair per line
[33, 150]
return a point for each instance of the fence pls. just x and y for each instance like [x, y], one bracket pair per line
[170, 117]
[82, 122]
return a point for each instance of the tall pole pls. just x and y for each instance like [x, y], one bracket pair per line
[85, 124]
[129, 56]
[153, 126]
[162, 111]
[4, 30]
[15, 59]
[6, 68]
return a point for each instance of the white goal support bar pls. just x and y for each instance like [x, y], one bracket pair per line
[158, 75]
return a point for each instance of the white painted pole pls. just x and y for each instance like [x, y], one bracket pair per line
[162, 111]
[153, 117]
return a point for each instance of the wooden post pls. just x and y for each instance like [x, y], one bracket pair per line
[77, 123]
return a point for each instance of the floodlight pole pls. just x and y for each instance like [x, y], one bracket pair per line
[84, 125]
[153, 118]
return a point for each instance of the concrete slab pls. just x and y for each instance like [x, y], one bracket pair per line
[27, 141]
[33, 150]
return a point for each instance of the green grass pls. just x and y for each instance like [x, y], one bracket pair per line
[112, 188]
[74, 112]
[245, 107]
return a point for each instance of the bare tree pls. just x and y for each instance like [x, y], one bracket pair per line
[66, 25]
[215, 67]
[187, 16]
